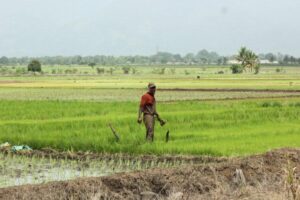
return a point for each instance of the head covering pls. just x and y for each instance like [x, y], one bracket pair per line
[151, 85]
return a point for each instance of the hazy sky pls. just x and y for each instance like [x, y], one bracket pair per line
[129, 27]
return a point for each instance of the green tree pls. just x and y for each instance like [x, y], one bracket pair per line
[189, 58]
[92, 64]
[4, 60]
[34, 66]
[225, 60]
[249, 60]
[271, 57]
[286, 59]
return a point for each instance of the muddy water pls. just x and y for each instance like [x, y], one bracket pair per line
[19, 170]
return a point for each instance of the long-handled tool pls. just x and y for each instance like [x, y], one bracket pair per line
[114, 132]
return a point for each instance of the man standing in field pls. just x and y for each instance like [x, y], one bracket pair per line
[148, 108]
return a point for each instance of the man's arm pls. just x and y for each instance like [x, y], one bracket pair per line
[140, 115]
[139, 120]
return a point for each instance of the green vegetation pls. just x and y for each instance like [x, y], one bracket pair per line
[34, 66]
[210, 128]
[20, 170]
[70, 107]
[236, 69]
[248, 61]
[121, 81]
[202, 57]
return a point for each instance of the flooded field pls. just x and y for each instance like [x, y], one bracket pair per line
[18, 170]
[267, 176]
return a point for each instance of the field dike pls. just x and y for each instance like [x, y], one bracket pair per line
[267, 176]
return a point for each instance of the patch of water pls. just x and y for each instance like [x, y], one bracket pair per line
[19, 170]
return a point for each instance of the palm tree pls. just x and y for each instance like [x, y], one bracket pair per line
[251, 60]
[248, 59]
[241, 57]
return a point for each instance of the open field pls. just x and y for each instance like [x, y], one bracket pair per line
[132, 82]
[73, 112]
[210, 128]
[195, 79]
[146, 70]
[133, 95]
[217, 115]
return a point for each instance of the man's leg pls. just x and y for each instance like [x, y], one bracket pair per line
[149, 124]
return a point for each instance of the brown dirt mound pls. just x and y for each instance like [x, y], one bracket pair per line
[264, 179]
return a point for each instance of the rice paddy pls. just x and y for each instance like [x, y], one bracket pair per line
[207, 114]
[19, 170]
[200, 128]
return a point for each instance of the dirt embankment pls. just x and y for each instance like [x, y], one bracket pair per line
[254, 177]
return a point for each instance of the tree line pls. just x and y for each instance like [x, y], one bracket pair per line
[202, 57]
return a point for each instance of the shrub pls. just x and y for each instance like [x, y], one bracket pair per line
[111, 71]
[266, 104]
[100, 70]
[74, 71]
[271, 104]
[134, 70]
[236, 69]
[126, 70]
[256, 68]
[92, 64]
[186, 72]
[162, 71]
[68, 71]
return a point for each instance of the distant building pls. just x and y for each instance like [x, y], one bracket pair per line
[264, 61]
[233, 62]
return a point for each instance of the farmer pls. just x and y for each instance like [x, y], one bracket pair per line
[148, 108]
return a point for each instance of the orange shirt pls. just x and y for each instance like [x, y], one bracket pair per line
[148, 104]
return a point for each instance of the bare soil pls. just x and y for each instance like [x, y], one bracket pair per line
[264, 179]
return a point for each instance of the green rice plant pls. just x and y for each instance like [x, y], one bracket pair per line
[217, 128]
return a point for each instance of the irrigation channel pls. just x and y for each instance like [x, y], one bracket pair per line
[18, 170]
